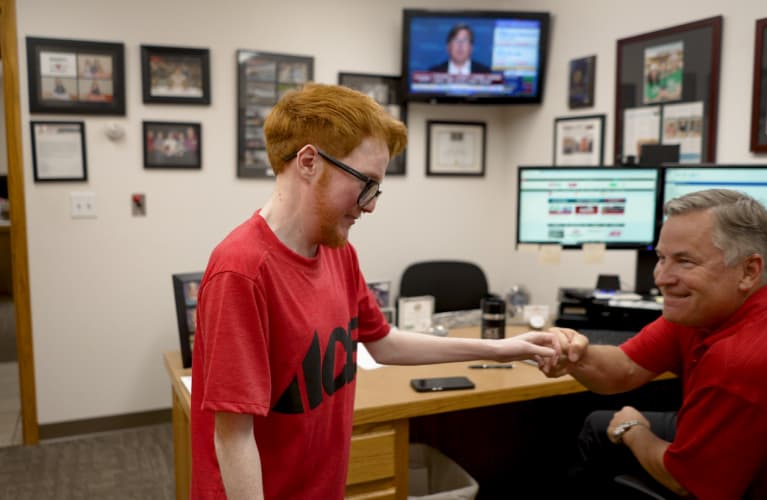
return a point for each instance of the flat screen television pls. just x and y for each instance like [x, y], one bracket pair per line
[570, 206]
[507, 51]
[750, 179]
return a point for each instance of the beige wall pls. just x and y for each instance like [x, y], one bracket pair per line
[102, 305]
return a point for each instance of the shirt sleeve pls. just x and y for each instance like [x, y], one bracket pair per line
[655, 348]
[372, 323]
[234, 331]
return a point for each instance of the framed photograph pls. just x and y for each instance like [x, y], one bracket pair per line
[581, 88]
[172, 145]
[759, 106]
[455, 148]
[388, 313]
[415, 313]
[669, 78]
[58, 151]
[175, 75]
[262, 78]
[381, 290]
[579, 140]
[75, 77]
[387, 91]
[185, 287]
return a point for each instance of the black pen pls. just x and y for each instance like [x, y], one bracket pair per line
[484, 366]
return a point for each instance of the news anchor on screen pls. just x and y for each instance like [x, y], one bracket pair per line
[460, 43]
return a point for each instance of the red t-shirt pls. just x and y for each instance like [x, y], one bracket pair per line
[276, 338]
[720, 448]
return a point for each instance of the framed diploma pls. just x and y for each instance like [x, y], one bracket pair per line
[58, 151]
[455, 148]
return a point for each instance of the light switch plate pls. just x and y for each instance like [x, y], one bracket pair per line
[83, 205]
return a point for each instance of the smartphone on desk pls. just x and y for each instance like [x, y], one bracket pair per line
[441, 384]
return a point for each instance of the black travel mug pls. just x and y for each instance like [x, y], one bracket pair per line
[493, 317]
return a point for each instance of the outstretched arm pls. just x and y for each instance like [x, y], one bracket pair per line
[409, 348]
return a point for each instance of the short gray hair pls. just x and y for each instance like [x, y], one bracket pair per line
[740, 222]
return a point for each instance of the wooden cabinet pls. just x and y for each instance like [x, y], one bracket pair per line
[377, 454]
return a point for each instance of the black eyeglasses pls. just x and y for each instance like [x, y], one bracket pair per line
[370, 190]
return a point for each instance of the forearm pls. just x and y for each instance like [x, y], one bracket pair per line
[649, 450]
[407, 348]
[607, 370]
[239, 463]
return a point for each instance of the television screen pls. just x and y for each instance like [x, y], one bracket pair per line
[751, 180]
[474, 56]
[570, 206]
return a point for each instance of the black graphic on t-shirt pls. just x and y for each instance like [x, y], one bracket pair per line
[318, 371]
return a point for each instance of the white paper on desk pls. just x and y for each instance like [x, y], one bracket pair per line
[364, 359]
[187, 381]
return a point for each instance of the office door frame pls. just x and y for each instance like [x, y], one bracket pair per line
[19, 255]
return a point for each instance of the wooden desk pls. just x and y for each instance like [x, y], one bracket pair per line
[378, 465]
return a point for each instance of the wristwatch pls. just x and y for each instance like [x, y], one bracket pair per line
[621, 429]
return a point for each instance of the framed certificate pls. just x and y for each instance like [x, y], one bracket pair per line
[455, 148]
[415, 313]
[58, 151]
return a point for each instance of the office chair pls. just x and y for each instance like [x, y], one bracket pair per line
[455, 285]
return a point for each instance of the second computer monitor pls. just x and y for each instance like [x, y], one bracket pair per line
[748, 179]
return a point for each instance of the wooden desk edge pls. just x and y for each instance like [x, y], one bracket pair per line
[175, 370]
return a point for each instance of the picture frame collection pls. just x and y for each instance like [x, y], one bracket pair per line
[667, 85]
[667, 91]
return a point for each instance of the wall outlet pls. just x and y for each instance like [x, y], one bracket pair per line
[83, 205]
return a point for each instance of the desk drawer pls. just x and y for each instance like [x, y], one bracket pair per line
[372, 454]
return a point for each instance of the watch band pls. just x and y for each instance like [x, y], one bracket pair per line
[621, 429]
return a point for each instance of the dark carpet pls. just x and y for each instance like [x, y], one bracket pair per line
[127, 464]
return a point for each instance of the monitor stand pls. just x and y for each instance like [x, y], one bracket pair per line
[644, 283]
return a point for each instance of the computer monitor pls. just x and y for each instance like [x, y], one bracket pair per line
[749, 179]
[570, 206]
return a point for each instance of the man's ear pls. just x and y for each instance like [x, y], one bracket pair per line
[306, 161]
[753, 268]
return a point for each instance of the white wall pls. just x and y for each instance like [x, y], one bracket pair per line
[102, 305]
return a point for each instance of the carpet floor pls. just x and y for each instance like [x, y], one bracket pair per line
[134, 463]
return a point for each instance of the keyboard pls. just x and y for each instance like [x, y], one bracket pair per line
[607, 337]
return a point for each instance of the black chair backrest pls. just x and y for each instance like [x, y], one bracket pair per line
[455, 285]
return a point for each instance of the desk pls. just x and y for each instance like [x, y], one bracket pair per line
[378, 465]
